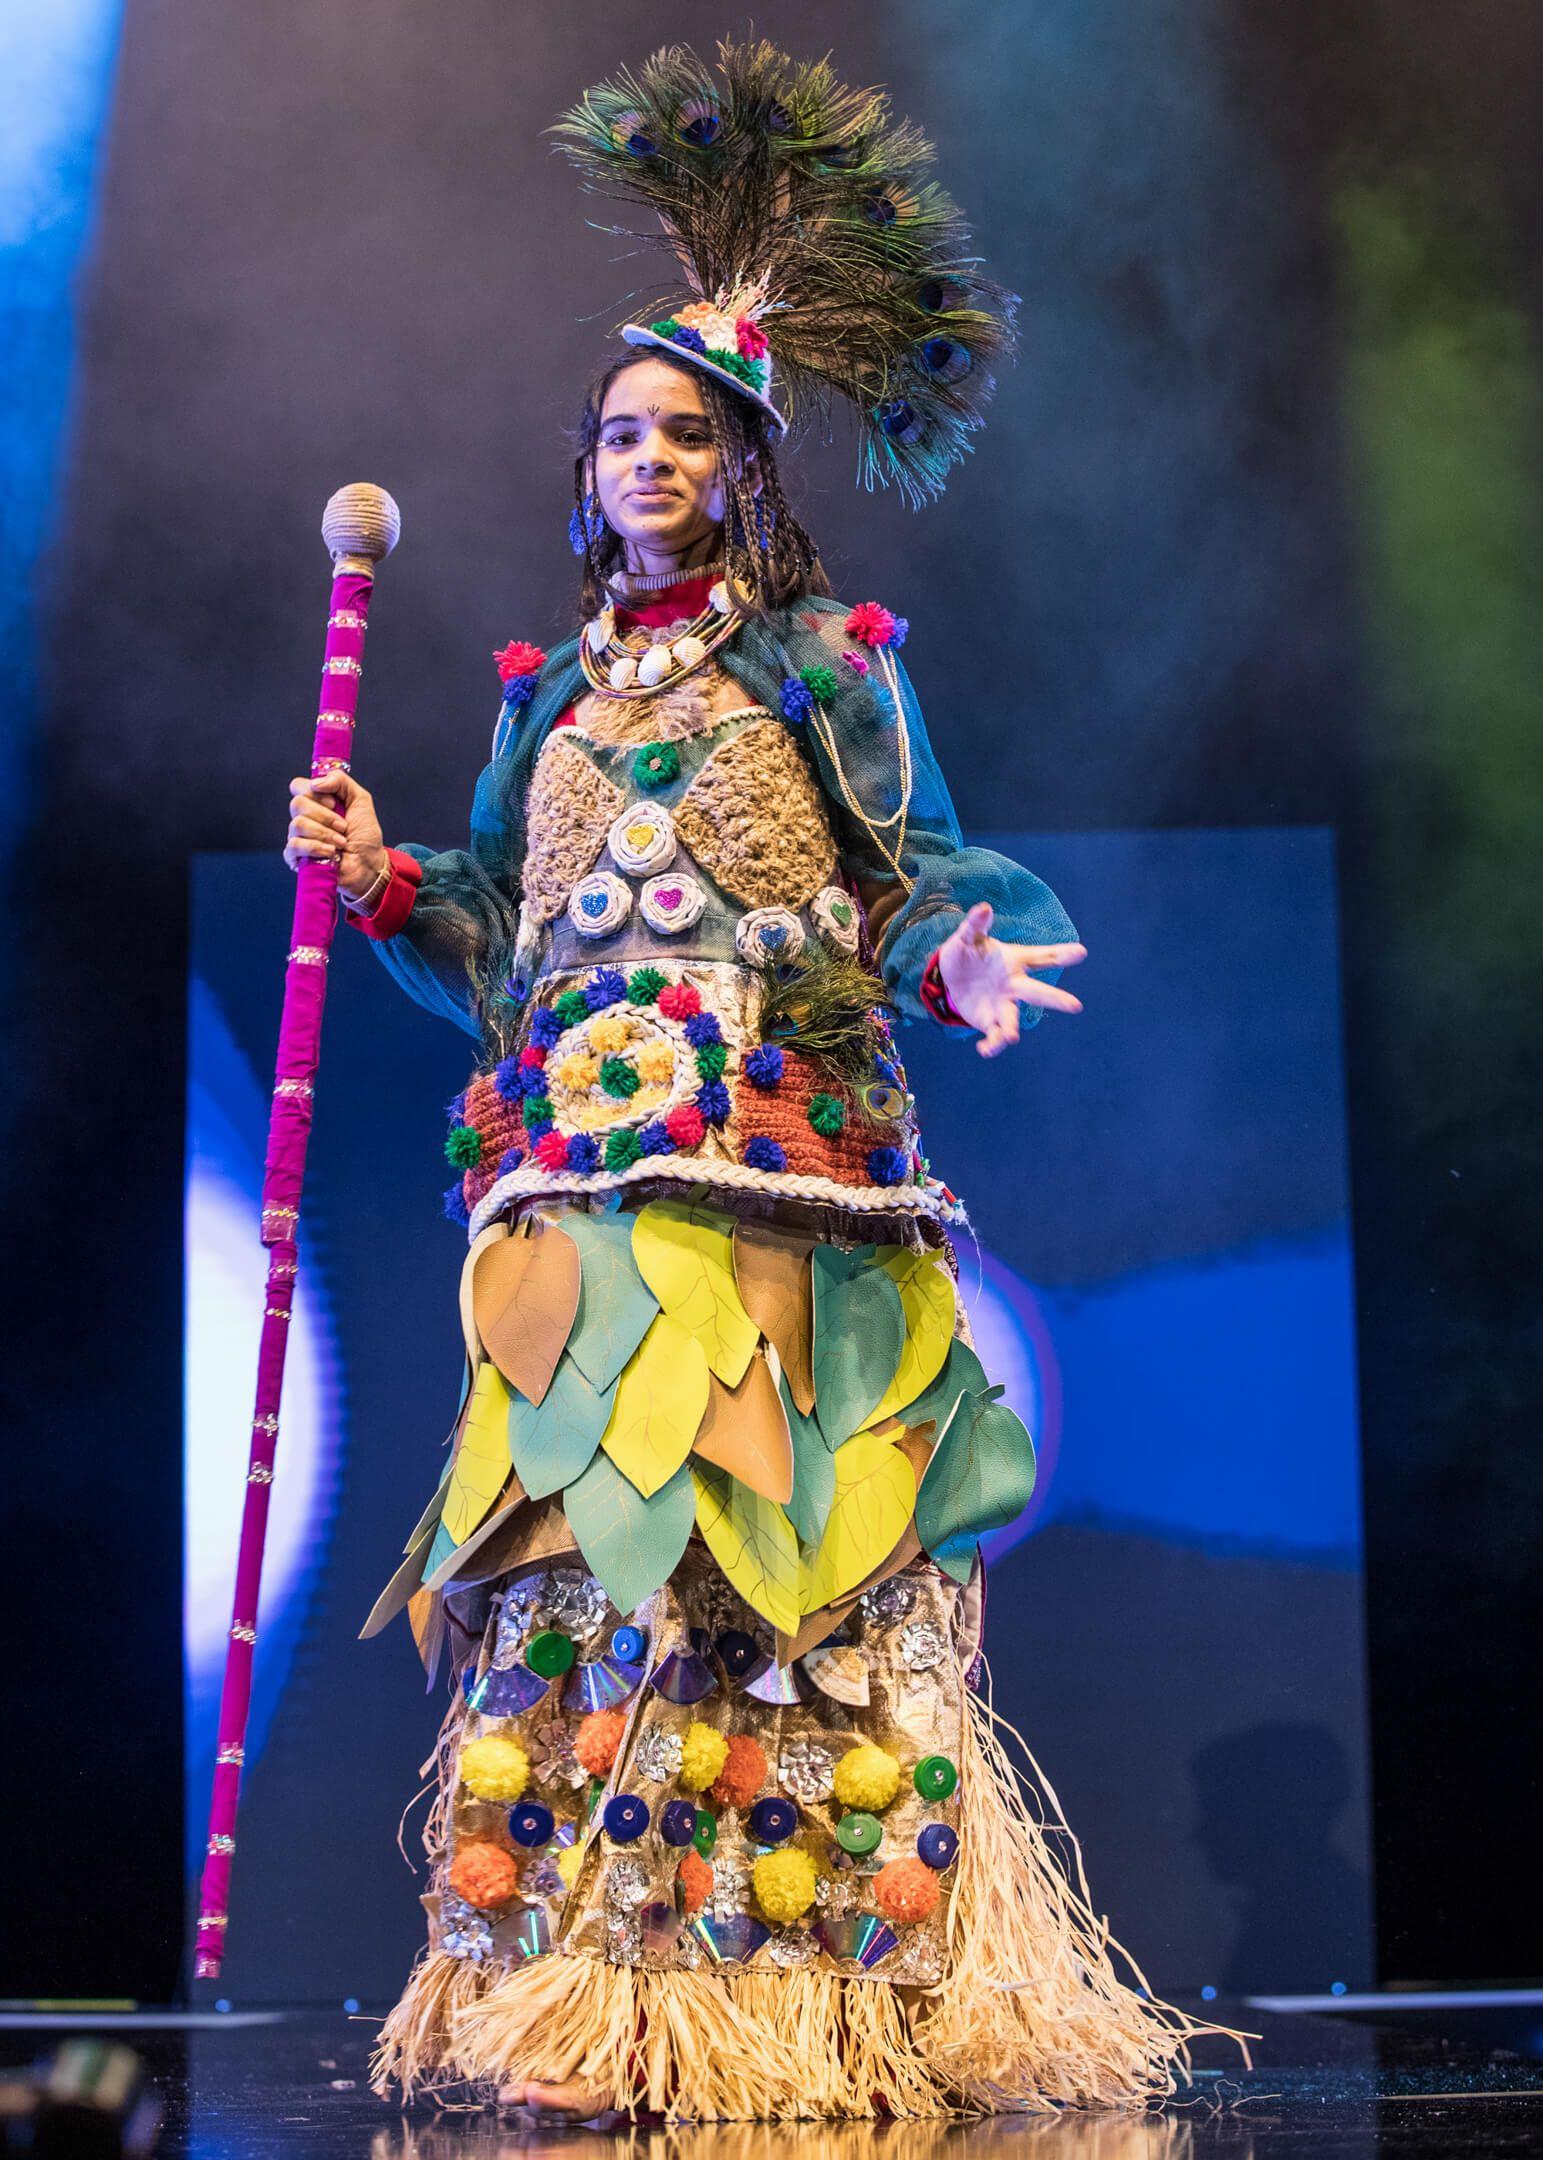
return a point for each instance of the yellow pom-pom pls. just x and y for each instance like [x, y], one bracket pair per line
[569, 1861]
[867, 1777]
[656, 1062]
[578, 1071]
[784, 1883]
[611, 1033]
[703, 1754]
[494, 1768]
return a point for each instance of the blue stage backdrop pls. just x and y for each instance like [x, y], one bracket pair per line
[1160, 1271]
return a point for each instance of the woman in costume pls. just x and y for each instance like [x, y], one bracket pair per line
[724, 1827]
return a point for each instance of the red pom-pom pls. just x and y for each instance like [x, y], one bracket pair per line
[678, 1001]
[685, 1126]
[484, 1875]
[534, 1054]
[696, 1882]
[750, 338]
[744, 1773]
[519, 659]
[906, 1889]
[596, 1740]
[552, 1151]
[873, 624]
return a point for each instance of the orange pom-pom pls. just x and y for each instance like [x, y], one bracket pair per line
[743, 1774]
[597, 1739]
[696, 1881]
[906, 1889]
[483, 1875]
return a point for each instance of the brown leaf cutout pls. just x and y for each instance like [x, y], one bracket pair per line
[771, 1268]
[524, 1295]
[744, 1430]
[817, 1625]
[495, 1234]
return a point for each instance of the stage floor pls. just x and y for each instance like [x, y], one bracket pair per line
[1390, 2076]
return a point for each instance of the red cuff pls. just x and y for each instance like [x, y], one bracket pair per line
[935, 997]
[396, 902]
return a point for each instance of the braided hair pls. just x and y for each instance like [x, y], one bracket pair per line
[766, 550]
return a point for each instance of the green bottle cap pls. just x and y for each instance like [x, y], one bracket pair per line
[859, 1833]
[935, 1777]
[550, 1653]
[705, 1836]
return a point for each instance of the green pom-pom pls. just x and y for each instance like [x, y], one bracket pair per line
[644, 985]
[667, 328]
[463, 1147]
[820, 682]
[622, 1150]
[538, 1112]
[827, 1114]
[711, 1059]
[618, 1078]
[656, 765]
[571, 1008]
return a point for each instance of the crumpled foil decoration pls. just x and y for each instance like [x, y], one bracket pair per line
[657, 1755]
[806, 1770]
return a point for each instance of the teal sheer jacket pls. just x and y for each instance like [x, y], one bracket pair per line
[449, 954]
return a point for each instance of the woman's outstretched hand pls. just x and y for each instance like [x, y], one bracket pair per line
[987, 981]
[350, 836]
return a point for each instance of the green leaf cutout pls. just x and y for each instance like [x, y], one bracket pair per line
[814, 1473]
[630, 1543]
[962, 1374]
[551, 1442]
[752, 1541]
[616, 1306]
[979, 1478]
[859, 1331]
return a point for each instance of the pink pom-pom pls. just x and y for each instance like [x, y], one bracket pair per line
[552, 1151]
[870, 623]
[750, 338]
[685, 1126]
[533, 1055]
[519, 659]
[678, 1001]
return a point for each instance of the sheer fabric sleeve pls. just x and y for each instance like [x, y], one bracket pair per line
[896, 826]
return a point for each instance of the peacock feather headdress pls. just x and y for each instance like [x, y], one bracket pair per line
[814, 245]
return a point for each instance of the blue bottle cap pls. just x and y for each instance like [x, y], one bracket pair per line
[937, 1844]
[531, 1824]
[677, 1822]
[625, 1817]
[773, 1820]
[738, 1651]
[629, 1645]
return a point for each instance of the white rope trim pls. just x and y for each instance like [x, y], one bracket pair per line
[531, 1180]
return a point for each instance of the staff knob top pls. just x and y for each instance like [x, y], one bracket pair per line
[361, 520]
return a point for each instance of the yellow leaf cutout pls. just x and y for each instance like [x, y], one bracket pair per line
[482, 1460]
[686, 1256]
[745, 1431]
[753, 1543]
[659, 1402]
[927, 1300]
[875, 1498]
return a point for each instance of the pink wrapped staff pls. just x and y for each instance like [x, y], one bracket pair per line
[360, 526]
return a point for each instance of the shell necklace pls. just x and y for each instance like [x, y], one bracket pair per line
[611, 669]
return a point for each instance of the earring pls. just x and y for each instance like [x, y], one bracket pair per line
[586, 523]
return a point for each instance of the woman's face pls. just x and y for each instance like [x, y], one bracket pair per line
[655, 467]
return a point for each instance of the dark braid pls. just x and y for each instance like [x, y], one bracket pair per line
[766, 549]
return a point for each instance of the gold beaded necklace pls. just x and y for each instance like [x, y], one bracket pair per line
[615, 672]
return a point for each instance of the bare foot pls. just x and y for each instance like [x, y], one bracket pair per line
[571, 2103]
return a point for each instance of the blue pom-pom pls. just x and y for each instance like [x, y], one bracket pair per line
[518, 692]
[712, 1099]
[511, 1159]
[702, 1028]
[509, 1079]
[654, 1140]
[607, 986]
[693, 340]
[545, 1027]
[533, 1080]
[763, 1067]
[897, 636]
[456, 1210]
[764, 1153]
[889, 1166]
[584, 1153]
[797, 700]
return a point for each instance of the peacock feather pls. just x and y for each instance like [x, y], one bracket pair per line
[794, 201]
